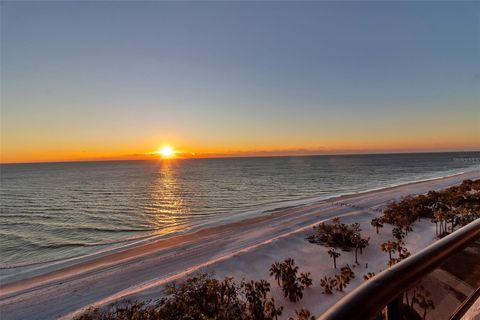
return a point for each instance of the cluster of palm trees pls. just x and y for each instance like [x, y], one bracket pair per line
[339, 281]
[390, 247]
[286, 275]
[339, 235]
[396, 246]
[458, 205]
[447, 219]
[440, 219]
[377, 223]
[454, 206]
[336, 234]
[359, 244]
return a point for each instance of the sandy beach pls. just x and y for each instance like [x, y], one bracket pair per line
[244, 249]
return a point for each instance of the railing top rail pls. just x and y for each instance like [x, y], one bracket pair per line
[369, 298]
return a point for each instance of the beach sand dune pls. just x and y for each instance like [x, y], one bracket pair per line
[244, 249]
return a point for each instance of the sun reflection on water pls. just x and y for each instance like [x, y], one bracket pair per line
[168, 209]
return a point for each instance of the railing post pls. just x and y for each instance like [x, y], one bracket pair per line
[394, 308]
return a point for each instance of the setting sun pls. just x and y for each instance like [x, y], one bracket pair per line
[166, 152]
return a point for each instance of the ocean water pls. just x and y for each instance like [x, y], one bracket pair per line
[52, 211]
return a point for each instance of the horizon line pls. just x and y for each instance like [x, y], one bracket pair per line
[220, 156]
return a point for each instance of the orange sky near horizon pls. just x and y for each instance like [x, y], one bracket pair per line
[118, 80]
[48, 140]
[54, 151]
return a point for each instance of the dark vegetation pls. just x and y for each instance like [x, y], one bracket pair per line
[302, 314]
[334, 255]
[339, 281]
[199, 297]
[449, 208]
[286, 275]
[339, 235]
[368, 276]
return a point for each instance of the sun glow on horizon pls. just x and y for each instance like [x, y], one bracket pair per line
[166, 152]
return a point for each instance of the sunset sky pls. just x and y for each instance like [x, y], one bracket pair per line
[119, 80]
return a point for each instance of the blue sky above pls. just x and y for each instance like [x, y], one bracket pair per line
[239, 75]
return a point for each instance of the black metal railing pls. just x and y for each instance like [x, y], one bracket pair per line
[438, 282]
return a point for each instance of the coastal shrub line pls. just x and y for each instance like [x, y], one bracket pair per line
[448, 209]
[199, 297]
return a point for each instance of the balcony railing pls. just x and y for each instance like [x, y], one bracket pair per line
[439, 282]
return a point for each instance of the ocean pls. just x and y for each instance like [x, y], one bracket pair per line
[54, 211]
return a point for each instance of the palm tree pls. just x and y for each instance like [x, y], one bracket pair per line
[390, 247]
[398, 233]
[347, 273]
[406, 224]
[363, 243]
[272, 310]
[293, 291]
[287, 273]
[305, 279]
[341, 282]
[356, 242]
[434, 220]
[440, 217]
[276, 271]
[332, 252]
[451, 215]
[377, 223]
[289, 262]
[328, 283]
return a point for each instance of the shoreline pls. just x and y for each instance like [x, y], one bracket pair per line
[262, 210]
[237, 219]
[146, 267]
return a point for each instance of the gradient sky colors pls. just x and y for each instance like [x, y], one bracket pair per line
[117, 80]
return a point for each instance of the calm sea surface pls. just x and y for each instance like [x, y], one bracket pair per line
[59, 210]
